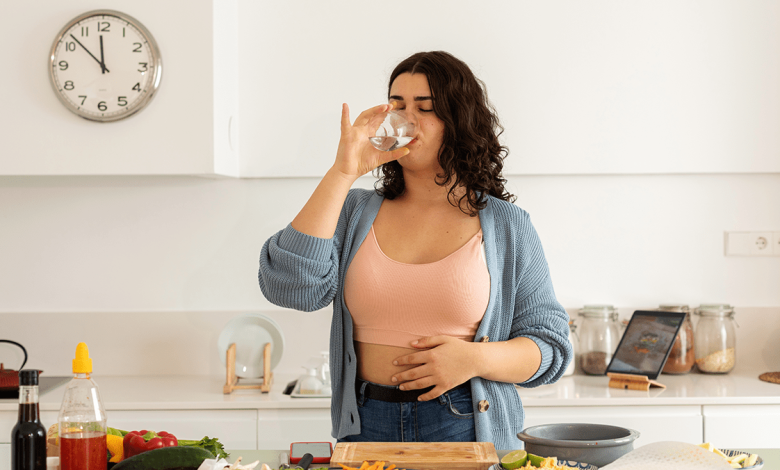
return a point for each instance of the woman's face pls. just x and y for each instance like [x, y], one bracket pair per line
[413, 95]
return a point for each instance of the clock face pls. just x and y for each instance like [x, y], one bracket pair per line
[105, 66]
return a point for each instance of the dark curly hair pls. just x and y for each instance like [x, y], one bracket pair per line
[471, 155]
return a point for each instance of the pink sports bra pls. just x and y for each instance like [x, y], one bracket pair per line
[394, 303]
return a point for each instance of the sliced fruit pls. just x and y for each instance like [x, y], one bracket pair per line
[717, 451]
[514, 459]
[750, 461]
[535, 460]
[739, 458]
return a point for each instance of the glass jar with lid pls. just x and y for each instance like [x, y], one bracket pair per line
[598, 338]
[681, 357]
[716, 338]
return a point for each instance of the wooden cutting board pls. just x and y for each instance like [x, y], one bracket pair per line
[417, 455]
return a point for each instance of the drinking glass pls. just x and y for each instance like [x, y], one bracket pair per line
[395, 132]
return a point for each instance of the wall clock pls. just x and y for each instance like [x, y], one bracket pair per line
[105, 66]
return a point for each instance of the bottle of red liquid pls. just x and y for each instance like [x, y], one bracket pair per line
[82, 420]
[28, 438]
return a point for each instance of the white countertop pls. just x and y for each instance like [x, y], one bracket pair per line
[178, 393]
[198, 392]
[734, 388]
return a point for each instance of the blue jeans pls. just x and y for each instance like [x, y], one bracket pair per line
[448, 418]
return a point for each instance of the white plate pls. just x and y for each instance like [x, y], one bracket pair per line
[250, 332]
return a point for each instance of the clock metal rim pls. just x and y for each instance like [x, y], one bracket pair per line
[156, 70]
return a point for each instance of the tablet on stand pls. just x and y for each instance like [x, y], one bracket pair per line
[644, 349]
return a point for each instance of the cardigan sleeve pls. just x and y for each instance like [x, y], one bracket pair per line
[300, 271]
[537, 313]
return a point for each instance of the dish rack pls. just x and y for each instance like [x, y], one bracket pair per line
[232, 381]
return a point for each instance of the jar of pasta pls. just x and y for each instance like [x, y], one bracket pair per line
[715, 338]
[681, 357]
[598, 338]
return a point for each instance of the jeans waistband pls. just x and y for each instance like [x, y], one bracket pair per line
[393, 393]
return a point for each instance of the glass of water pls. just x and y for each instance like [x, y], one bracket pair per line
[395, 132]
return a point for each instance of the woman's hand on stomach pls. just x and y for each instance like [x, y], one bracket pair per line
[442, 361]
[375, 362]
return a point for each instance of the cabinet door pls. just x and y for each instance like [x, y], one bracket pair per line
[235, 429]
[8, 420]
[40, 137]
[654, 423]
[277, 429]
[741, 426]
[5, 456]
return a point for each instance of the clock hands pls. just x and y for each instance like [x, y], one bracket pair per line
[102, 60]
[102, 66]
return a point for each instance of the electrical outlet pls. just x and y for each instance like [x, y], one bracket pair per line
[752, 243]
[776, 243]
[761, 244]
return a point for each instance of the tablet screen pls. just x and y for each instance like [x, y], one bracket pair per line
[646, 344]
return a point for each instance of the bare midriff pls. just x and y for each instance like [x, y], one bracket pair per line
[430, 234]
[375, 362]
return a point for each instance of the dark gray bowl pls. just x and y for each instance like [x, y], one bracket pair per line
[596, 444]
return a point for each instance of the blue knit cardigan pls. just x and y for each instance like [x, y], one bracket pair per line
[307, 273]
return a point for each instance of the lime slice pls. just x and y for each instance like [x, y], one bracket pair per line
[514, 459]
[535, 460]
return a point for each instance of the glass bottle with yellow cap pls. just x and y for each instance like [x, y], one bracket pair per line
[82, 420]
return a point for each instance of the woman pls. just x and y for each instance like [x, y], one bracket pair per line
[442, 300]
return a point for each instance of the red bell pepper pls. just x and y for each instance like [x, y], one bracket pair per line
[136, 442]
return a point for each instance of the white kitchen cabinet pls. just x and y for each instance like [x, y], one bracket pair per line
[572, 101]
[654, 423]
[235, 429]
[742, 426]
[189, 128]
[278, 428]
[8, 420]
[5, 456]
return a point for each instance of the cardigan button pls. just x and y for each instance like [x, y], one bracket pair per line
[483, 406]
[485, 339]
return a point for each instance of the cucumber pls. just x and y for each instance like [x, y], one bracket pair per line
[166, 458]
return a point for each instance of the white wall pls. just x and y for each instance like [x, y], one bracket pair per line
[87, 244]
[83, 256]
[160, 264]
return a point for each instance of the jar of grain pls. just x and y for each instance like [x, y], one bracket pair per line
[715, 339]
[598, 338]
[681, 357]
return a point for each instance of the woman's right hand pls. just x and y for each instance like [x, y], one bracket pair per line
[356, 156]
